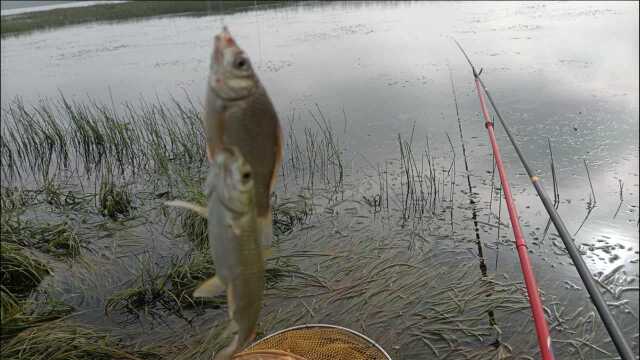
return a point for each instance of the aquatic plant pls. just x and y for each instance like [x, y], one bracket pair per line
[20, 272]
[59, 340]
[290, 212]
[58, 239]
[114, 200]
[19, 315]
[155, 291]
[91, 138]
[318, 160]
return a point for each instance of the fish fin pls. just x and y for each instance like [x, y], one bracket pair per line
[200, 210]
[210, 288]
[209, 154]
[228, 351]
[231, 329]
[265, 233]
[235, 346]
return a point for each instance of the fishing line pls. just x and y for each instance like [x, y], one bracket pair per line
[255, 9]
[472, 202]
[221, 12]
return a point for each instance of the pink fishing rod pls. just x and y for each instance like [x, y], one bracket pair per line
[542, 329]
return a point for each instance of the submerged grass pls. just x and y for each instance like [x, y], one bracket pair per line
[20, 273]
[57, 239]
[59, 340]
[388, 283]
[168, 291]
[155, 292]
[18, 316]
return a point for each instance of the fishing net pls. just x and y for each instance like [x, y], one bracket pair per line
[314, 342]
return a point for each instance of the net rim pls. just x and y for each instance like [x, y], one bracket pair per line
[353, 332]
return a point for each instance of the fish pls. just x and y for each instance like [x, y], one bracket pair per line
[238, 112]
[234, 245]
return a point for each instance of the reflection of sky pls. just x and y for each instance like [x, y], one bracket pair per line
[384, 63]
[567, 71]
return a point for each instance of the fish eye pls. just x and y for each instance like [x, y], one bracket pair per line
[246, 176]
[241, 63]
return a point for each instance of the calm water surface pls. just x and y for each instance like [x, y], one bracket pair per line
[567, 72]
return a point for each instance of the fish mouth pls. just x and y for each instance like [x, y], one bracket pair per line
[222, 41]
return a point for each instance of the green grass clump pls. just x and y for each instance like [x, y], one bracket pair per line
[20, 273]
[114, 201]
[186, 276]
[195, 228]
[9, 306]
[62, 240]
[12, 198]
[155, 292]
[289, 213]
[57, 239]
[58, 340]
[19, 315]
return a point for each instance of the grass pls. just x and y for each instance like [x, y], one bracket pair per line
[20, 272]
[317, 161]
[155, 292]
[289, 213]
[18, 24]
[58, 239]
[62, 341]
[12, 198]
[18, 316]
[91, 139]
[367, 280]
[115, 200]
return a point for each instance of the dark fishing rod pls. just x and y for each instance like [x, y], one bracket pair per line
[613, 329]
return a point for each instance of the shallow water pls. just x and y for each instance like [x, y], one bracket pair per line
[567, 72]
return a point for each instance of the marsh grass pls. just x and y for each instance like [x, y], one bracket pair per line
[20, 272]
[17, 24]
[399, 294]
[150, 294]
[12, 198]
[20, 315]
[194, 226]
[423, 185]
[318, 161]
[156, 293]
[290, 212]
[89, 139]
[115, 201]
[58, 340]
[58, 239]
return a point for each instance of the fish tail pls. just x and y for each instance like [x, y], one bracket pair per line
[265, 233]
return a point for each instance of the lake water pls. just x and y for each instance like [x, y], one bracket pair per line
[567, 72]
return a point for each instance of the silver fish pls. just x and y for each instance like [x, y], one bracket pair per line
[234, 245]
